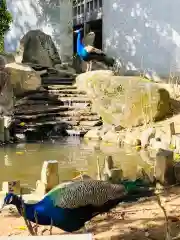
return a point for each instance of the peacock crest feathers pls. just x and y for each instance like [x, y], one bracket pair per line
[88, 192]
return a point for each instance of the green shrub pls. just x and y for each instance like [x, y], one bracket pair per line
[5, 21]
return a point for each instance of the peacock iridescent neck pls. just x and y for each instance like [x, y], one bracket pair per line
[80, 45]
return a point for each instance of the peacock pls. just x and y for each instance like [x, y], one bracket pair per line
[88, 53]
[70, 205]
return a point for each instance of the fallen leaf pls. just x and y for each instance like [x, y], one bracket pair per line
[22, 228]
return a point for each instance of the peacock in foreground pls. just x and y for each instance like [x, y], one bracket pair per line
[69, 206]
[89, 53]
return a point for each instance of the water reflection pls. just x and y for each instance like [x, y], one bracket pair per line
[24, 161]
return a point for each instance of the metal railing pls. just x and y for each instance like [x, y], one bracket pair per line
[86, 10]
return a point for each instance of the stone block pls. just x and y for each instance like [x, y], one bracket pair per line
[111, 136]
[156, 144]
[93, 134]
[146, 136]
[163, 169]
[40, 188]
[108, 163]
[163, 136]
[50, 174]
[132, 137]
[11, 186]
[110, 173]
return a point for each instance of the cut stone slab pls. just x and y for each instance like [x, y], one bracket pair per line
[163, 169]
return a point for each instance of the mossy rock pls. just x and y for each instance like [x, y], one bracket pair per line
[128, 101]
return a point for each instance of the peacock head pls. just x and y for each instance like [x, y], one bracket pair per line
[10, 198]
[78, 30]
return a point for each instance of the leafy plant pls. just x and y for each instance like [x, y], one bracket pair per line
[5, 21]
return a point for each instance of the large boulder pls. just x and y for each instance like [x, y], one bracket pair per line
[128, 101]
[6, 90]
[39, 48]
[23, 78]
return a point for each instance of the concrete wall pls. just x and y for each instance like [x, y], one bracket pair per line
[144, 33]
[39, 14]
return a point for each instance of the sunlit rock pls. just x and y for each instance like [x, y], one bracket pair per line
[39, 48]
[125, 101]
[23, 78]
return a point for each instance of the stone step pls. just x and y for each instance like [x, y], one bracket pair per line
[71, 132]
[54, 80]
[39, 102]
[43, 109]
[67, 92]
[77, 113]
[48, 117]
[58, 115]
[90, 123]
[37, 124]
[63, 95]
[62, 87]
[75, 100]
[80, 118]
[76, 132]
[69, 123]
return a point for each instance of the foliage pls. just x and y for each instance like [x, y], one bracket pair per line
[5, 21]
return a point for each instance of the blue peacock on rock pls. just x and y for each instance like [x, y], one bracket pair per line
[69, 206]
[88, 53]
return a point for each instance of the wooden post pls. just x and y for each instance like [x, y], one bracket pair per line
[50, 174]
[172, 129]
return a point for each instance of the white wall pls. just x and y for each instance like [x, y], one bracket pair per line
[144, 33]
[38, 14]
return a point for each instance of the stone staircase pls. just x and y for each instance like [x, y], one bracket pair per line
[58, 108]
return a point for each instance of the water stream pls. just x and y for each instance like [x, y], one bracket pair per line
[24, 161]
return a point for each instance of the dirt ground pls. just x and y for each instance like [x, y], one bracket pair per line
[143, 220]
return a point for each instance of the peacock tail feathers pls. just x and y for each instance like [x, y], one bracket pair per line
[87, 192]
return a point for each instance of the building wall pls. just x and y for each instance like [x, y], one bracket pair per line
[54, 19]
[144, 33]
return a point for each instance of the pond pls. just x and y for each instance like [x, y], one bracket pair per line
[24, 161]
